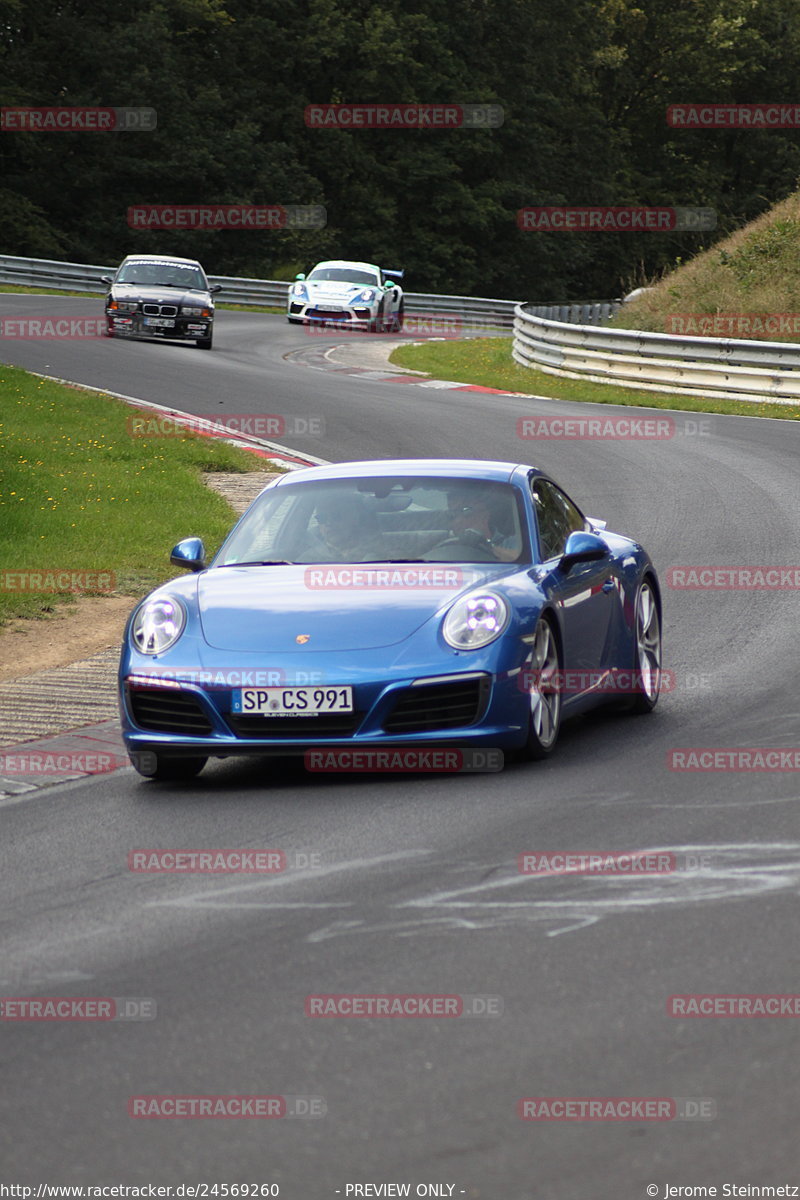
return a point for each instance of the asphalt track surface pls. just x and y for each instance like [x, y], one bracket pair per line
[418, 889]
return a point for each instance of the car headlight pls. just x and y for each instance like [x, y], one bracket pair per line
[475, 620]
[190, 310]
[158, 624]
[300, 291]
[126, 306]
[365, 297]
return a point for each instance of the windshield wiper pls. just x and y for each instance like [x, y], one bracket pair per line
[262, 562]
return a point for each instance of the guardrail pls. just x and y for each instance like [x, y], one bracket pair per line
[273, 293]
[730, 368]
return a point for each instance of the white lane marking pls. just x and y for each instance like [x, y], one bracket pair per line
[211, 898]
[735, 871]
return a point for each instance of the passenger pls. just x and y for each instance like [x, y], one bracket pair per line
[349, 530]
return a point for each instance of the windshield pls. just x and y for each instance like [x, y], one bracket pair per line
[384, 519]
[179, 275]
[344, 275]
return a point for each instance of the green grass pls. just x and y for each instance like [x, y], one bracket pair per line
[37, 291]
[488, 362]
[754, 271]
[79, 493]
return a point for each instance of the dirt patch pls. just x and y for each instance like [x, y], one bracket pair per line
[93, 623]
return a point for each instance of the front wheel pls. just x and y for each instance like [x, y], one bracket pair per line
[543, 687]
[165, 768]
[204, 343]
[394, 324]
[647, 651]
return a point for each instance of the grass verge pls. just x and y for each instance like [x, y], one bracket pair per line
[79, 493]
[746, 286]
[488, 362]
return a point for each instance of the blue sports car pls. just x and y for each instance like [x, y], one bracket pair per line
[413, 603]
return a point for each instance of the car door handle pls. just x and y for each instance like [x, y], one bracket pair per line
[608, 586]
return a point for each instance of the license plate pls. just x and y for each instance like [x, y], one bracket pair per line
[160, 322]
[292, 701]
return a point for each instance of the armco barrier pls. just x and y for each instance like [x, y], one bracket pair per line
[560, 339]
[730, 368]
[273, 293]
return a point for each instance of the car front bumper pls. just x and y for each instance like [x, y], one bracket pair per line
[178, 329]
[320, 313]
[471, 707]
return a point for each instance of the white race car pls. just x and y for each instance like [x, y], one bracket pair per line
[348, 293]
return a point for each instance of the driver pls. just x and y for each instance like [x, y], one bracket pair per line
[471, 520]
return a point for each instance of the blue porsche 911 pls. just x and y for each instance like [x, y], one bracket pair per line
[408, 603]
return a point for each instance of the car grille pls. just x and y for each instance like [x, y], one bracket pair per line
[160, 310]
[168, 711]
[431, 706]
[328, 314]
[306, 728]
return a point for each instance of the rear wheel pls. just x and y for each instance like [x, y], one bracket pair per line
[647, 651]
[165, 768]
[544, 691]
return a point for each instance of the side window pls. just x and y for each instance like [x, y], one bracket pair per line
[556, 516]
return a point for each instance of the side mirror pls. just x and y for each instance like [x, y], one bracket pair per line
[105, 279]
[389, 286]
[215, 287]
[300, 276]
[190, 554]
[582, 547]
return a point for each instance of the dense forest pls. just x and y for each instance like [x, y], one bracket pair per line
[584, 86]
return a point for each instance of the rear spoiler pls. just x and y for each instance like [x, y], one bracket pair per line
[398, 275]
